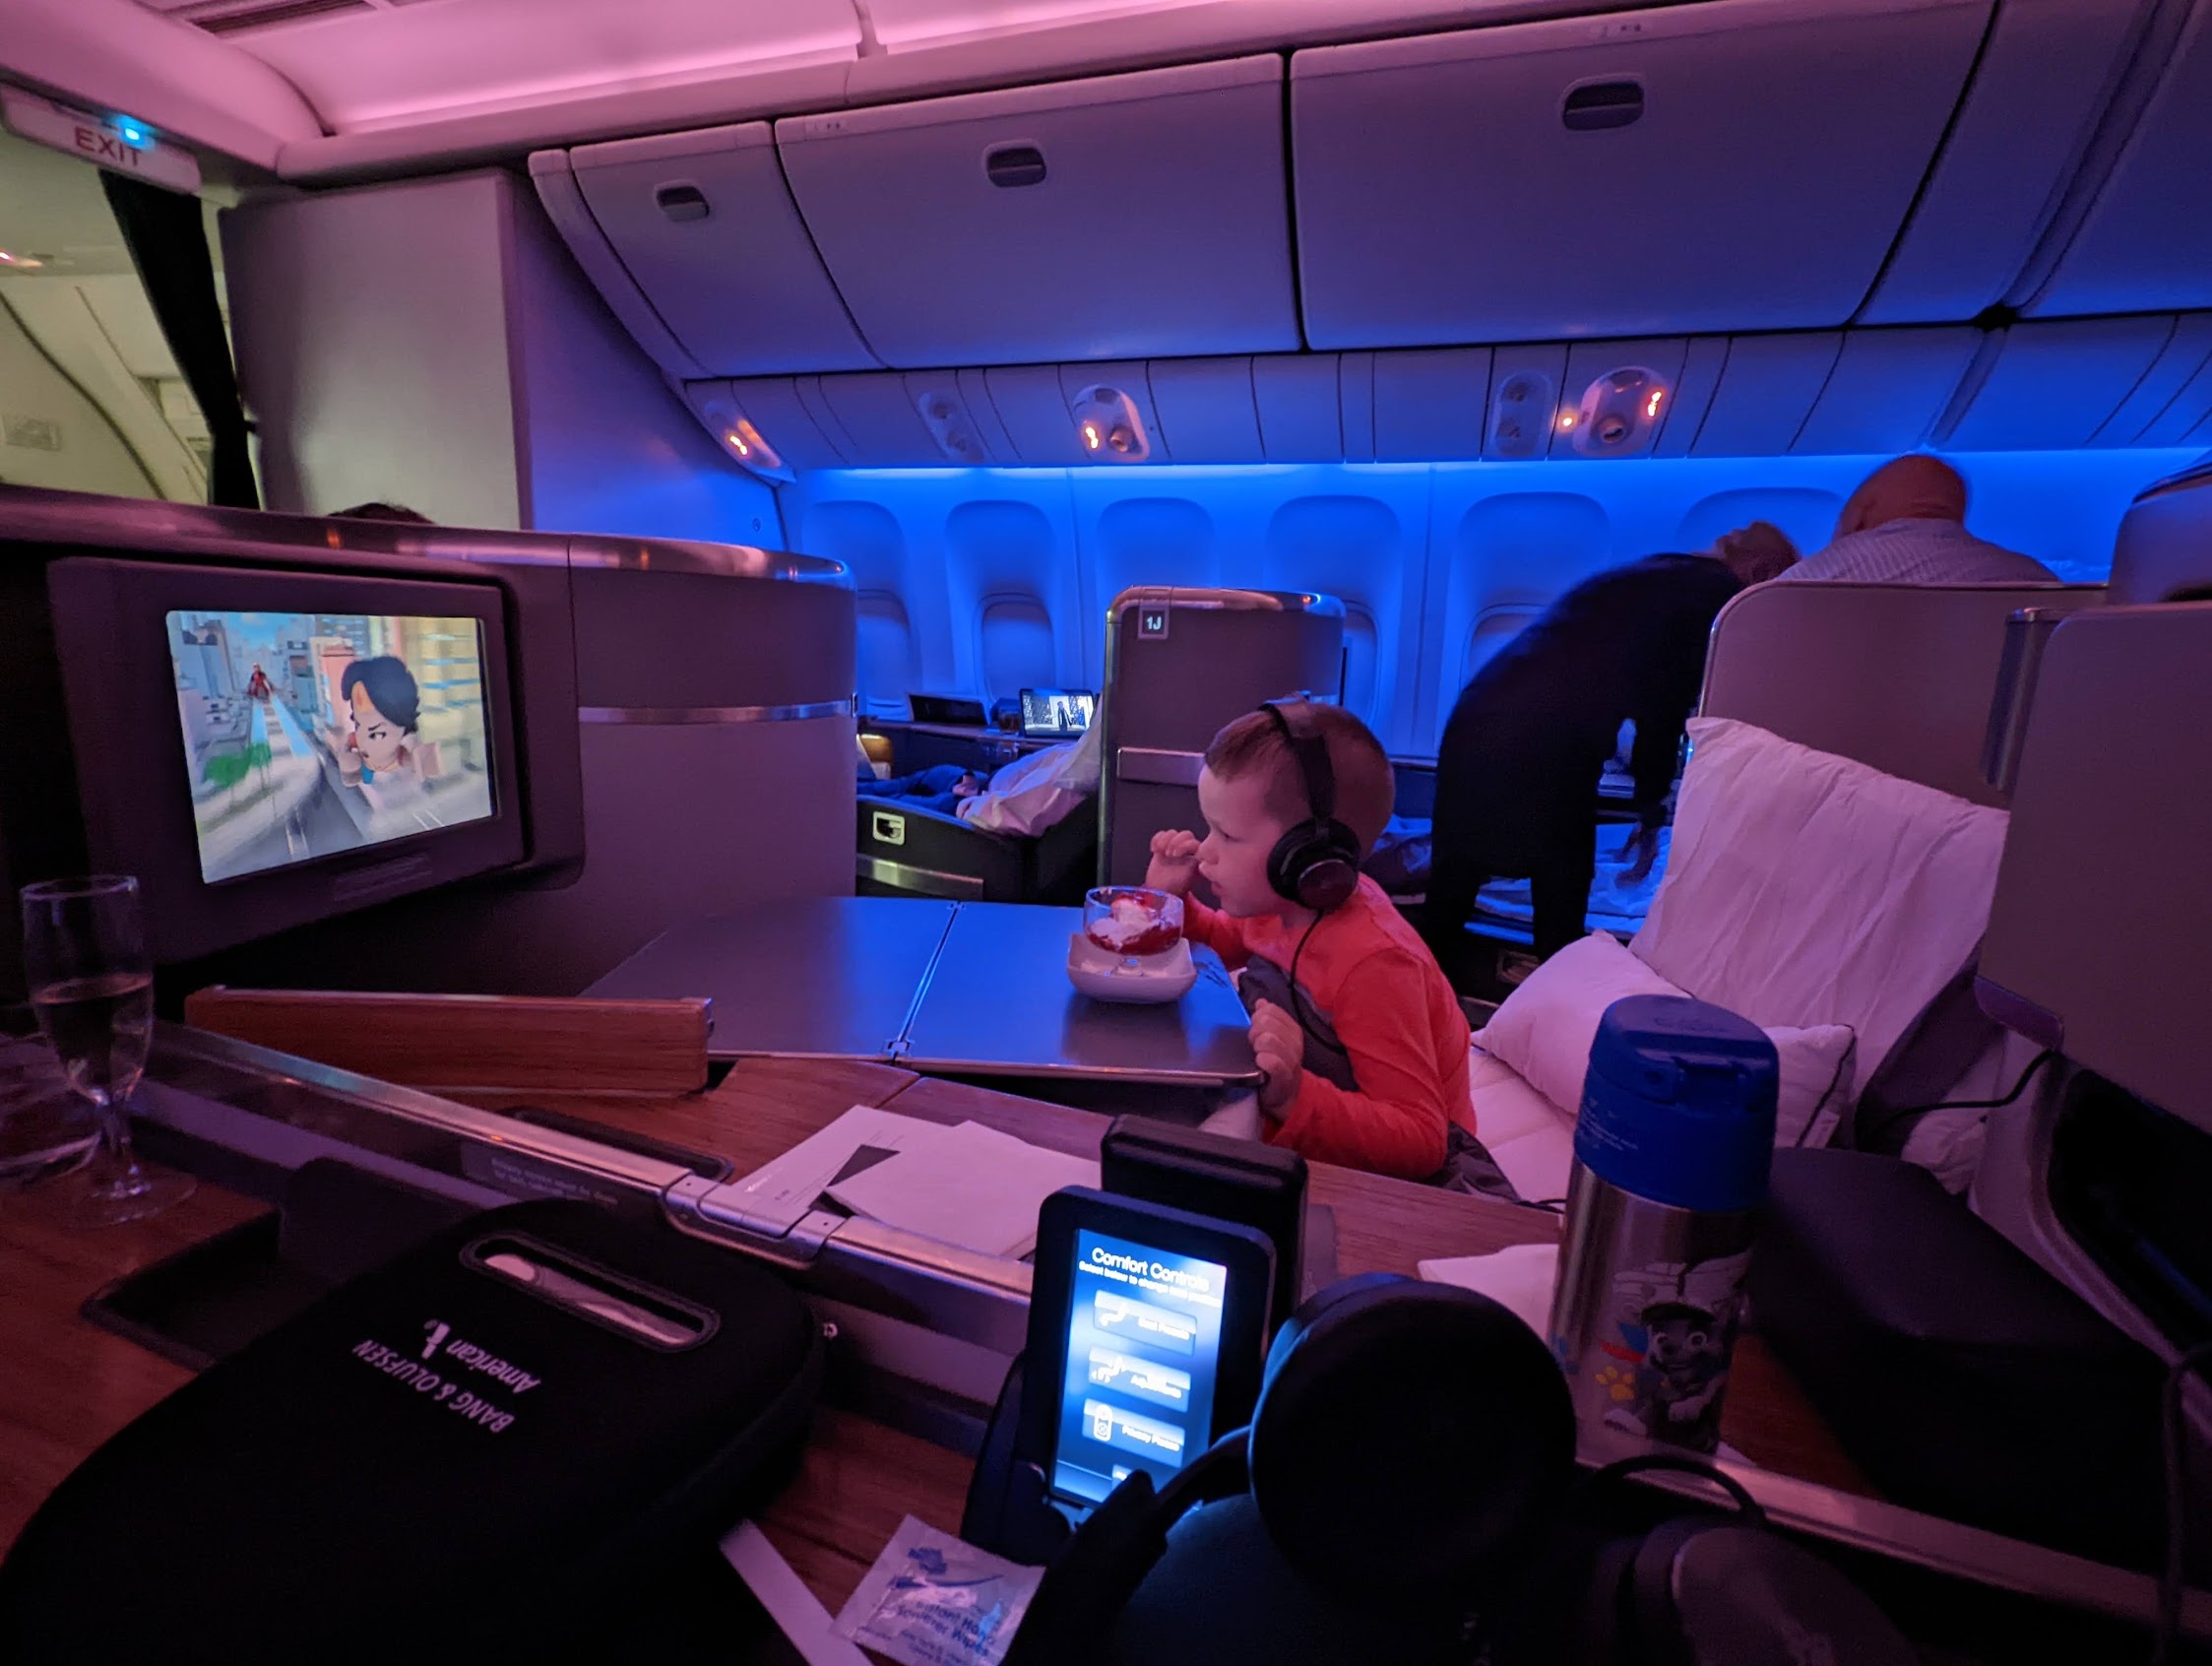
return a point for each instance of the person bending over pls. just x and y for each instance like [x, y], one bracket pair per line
[1362, 1044]
[1518, 768]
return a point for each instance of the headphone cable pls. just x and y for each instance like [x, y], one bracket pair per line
[1298, 995]
[1865, 1141]
[2173, 1434]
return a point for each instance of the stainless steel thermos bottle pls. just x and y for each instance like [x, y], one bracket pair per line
[1671, 1154]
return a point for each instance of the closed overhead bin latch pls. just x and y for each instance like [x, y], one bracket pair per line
[682, 202]
[1599, 104]
[1012, 166]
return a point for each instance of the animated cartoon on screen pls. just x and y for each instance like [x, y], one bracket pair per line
[1675, 1323]
[384, 708]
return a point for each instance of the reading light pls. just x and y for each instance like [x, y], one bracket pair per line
[744, 439]
[21, 263]
[1566, 419]
[1652, 408]
[1090, 435]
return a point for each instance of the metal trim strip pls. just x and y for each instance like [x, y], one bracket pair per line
[799, 712]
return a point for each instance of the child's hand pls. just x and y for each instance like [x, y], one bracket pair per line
[1175, 862]
[1279, 1045]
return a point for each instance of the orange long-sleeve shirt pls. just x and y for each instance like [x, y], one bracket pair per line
[1368, 975]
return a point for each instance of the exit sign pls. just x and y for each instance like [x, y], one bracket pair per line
[113, 142]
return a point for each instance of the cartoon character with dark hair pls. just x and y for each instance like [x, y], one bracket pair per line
[385, 707]
[257, 686]
[1684, 1367]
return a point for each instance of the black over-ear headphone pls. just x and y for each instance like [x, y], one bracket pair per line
[1315, 864]
[1406, 1491]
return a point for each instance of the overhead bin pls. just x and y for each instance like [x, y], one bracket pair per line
[1068, 221]
[2146, 241]
[2039, 89]
[2052, 385]
[1734, 164]
[707, 230]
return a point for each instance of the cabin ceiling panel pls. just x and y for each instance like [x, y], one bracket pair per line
[368, 70]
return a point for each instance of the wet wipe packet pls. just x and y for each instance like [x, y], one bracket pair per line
[934, 1600]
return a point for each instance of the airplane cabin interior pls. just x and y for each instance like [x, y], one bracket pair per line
[1070, 830]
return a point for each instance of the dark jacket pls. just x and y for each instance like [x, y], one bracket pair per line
[1531, 733]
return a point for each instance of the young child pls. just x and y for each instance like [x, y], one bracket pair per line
[1363, 1045]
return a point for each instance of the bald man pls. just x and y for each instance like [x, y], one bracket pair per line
[1906, 524]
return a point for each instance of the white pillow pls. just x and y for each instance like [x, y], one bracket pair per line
[1546, 1027]
[1806, 889]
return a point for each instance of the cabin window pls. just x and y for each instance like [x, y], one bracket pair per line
[90, 396]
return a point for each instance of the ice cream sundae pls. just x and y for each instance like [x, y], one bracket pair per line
[1127, 920]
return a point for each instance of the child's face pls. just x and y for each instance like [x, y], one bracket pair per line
[377, 736]
[1240, 831]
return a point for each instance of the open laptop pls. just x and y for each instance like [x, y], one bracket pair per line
[1056, 714]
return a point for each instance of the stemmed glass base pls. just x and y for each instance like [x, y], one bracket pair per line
[110, 1191]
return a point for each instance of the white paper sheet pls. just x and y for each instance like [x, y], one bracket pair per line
[971, 1186]
[1519, 1277]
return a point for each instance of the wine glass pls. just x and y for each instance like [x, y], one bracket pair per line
[92, 985]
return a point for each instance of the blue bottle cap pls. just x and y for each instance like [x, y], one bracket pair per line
[1679, 1105]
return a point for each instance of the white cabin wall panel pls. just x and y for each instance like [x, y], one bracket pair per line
[607, 446]
[705, 227]
[371, 332]
[1362, 536]
[1485, 186]
[82, 450]
[1206, 410]
[771, 404]
[1704, 362]
[1447, 561]
[2166, 402]
[1058, 223]
[1300, 409]
[2055, 382]
[1161, 530]
[1034, 410]
[2042, 82]
[1886, 389]
[1766, 393]
[881, 419]
[905, 633]
[1430, 406]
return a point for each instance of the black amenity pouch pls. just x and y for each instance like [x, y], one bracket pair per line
[490, 1443]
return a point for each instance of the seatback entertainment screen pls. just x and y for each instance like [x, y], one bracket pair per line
[307, 734]
[1143, 1345]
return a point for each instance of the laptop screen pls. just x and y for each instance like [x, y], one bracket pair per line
[1056, 714]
